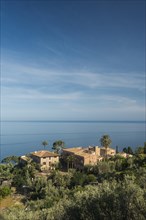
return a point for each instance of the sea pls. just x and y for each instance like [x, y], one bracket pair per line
[22, 137]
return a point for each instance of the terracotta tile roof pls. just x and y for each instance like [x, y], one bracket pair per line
[73, 150]
[78, 151]
[86, 152]
[44, 153]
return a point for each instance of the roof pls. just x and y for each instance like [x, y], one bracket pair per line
[86, 152]
[109, 148]
[79, 151]
[25, 158]
[44, 153]
[74, 149]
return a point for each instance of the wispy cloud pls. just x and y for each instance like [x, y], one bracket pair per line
[32, 94]
[75, 93]
[16, 72]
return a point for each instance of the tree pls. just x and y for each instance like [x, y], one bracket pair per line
[4, 191]
[125, 150]
[139, 150]
[129, 150]
[117, 149]
[58, 146]
[144, 148]
[44, 143]
[38, 188]
[105, 141]
[90, 178]
[59, 179]
[11, 159]
[78, 179]
[6, 171]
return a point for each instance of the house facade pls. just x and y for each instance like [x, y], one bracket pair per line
[46, 159]
[78, 157]
[107, 152]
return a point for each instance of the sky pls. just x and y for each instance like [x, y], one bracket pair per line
[73, 60]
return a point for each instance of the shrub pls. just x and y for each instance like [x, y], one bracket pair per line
[5, 191]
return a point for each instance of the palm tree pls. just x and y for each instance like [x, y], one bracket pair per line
[44, 143]
[58, 146]
[105, 141]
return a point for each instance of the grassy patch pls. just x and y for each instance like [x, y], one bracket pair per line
[12, 200]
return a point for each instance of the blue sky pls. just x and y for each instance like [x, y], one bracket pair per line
[73, 60]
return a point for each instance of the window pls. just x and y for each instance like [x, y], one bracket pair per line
[44, 163]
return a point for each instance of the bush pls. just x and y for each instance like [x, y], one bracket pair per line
[5, 191]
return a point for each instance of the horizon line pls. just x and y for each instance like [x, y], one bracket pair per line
[71, 121]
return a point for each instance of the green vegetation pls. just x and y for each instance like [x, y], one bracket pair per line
[128, 150]
[45, 143]
[105, 141]
[11, 159]
[58, 146]
[113, 189]
[4, 191]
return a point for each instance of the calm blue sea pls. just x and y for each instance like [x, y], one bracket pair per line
[21, 137]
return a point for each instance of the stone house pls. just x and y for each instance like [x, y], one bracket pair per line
[46, 159]
[109, 151]
[78, 157]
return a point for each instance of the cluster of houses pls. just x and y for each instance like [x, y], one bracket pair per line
[76, 157]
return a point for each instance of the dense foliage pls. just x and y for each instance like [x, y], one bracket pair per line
[4, 191]
[113, 189]
[105, 140]
[58, 146]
